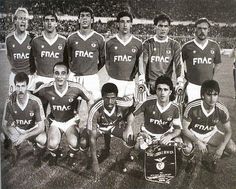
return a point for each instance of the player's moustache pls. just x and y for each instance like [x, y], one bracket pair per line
[21, 93]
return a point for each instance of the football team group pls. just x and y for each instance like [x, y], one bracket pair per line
[51, 74]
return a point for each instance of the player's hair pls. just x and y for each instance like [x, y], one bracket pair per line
[61, 64]
[122, 14]
[86, 9]
[21, 9]
[201, 20]
[209, 86]
[50, 13]
[109, 88]
[166, 80]
[21, 77]
[162, 17]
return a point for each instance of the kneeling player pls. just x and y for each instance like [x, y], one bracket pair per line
[200, 119]
[62, 96]
[109, 116]
[161, 116]
[24, 119]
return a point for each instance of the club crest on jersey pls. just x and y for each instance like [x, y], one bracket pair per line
[93, 44]
[153, 112]
[31, 113]
[70, 99]
[133, 50]
[194, 52]
[76, 42]
[13, 46]
[42, 46]
[155, 49]
[169, 118]
[168, 51]
[15, 112]
[215, 121]
[212, 51]
[53, 98]
[160, 164]
[115, 47]
[29, 47]
[60, 47]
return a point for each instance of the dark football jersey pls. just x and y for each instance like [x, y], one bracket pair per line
[203, 122]
[99, 116]
[63, 105]
[18, 52]
[122, 58]
[86, 54]
[156, 119]
[161, 56]
[200, 60]
[26, 116]
[47, 53]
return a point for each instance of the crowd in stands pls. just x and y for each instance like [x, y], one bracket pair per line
[215, 10]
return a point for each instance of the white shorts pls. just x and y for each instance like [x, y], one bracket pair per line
[125, 88]
[193, 91]
[206, 137]
[12, 87]
[90, 82]
[16, 132]
[63, 126]
[40, 79]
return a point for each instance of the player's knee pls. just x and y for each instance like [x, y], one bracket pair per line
[84, 143]
[41, 138]
[53, 143]
[73, 141]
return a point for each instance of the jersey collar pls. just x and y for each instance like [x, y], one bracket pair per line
[204, 110]
[23, 106]
[20, 41]
[85, 37]
[124, 42]
[160, 41]
[110, 113]
[58, 92]
[50, 41]
[202, 47]
[162, 109]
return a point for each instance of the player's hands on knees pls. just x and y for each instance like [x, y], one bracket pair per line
[21, 139]
[165, 139]
[202, 146]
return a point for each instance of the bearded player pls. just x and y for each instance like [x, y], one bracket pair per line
[201, 57]
[23, 119]
[62, 96]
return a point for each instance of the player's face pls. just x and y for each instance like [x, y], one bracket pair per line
[49, 23]
[202, 30]
[210, 99]
[21, 89]
[125, 25]
[109, 100]
[85, 20]
[21, 22]
[163, 92]
[162, 29]
[60, 74]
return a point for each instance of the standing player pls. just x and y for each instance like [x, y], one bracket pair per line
[161, 53]
[161, 116]
[62, 96]
[86, 50]
[122, 56]
[18, 47]
[109, 116]
[200, 121]
[23, 118]
[233, 54]
[47, 50]
[201, 57]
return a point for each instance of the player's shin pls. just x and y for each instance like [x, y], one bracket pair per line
[39, 152]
